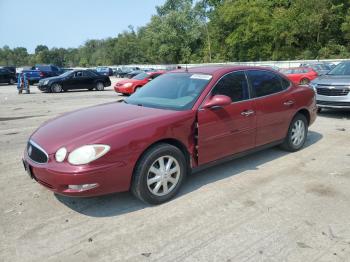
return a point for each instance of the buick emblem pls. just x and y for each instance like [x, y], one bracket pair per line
[30, 149]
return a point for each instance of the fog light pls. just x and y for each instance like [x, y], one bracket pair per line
[82, 187]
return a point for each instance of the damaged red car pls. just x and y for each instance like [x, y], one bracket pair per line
[184, 120]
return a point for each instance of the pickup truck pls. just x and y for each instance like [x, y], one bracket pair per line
[38, 72]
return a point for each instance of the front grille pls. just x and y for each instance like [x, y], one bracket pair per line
[333, 103]
[36, 153]
[335, 91]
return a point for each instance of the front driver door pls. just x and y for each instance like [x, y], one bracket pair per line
[230, 129]
[73, 82]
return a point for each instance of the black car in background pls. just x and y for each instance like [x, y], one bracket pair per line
[134, 73]
[76, 79]
[124, 71]
[7, 76]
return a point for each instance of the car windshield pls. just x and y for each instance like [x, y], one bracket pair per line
[341, 69]
[141, 76]
[101, 69]
[174, 91]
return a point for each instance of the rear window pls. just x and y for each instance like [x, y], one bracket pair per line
[264, 82]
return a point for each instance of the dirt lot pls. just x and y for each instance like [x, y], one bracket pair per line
[269, 206]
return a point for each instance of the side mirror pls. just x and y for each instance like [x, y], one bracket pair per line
[217, 101]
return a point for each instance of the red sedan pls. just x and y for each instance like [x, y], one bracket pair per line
[183, 120]
[130, 86]
[300, 75]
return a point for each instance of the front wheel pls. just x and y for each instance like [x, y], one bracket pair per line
[159, 174]
[56, 88]
[297, 133]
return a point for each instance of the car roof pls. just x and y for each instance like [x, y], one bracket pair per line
[212, 70]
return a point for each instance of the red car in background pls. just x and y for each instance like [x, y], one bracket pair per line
[183, 120]
[130, 86]
[300, 75]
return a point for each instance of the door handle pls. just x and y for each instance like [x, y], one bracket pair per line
[289, 103]
[247, 112]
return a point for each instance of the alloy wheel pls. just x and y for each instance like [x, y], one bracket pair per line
[163, 175]
[298, 133]
[56, 88]
[99, 86]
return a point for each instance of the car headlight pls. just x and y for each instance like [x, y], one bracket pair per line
[45, 82]
[313, 86]
[127, 84]
[86, 154]
[61, 154]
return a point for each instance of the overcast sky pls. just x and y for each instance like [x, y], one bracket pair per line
[69, 23]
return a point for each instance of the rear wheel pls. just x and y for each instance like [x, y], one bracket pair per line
[12, 81]
[304, 81]
[99, 86]
[159, 174]
[297, 133]
[56, 88]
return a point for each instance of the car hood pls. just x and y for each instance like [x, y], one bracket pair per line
[332, 80]
[92, 124]
[52, 78]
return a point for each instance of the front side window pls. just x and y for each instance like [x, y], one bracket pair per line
[264, 82]
[233, 85]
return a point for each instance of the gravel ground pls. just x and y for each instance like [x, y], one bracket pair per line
[269, 206]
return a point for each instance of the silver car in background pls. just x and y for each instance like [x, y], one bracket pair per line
[333, 89]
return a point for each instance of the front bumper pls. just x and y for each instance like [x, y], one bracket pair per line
[124, 90]
[333, 96]
[109, 178]
[44, 88]
[333, 101]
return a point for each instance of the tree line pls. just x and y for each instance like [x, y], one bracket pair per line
[187, 31]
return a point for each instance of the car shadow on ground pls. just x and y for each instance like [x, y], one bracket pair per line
[121, 203]
[335, 113]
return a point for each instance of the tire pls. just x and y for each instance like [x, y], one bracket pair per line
[100, 86]
[12, 81]
[297, 133]
[56, 88]
[304, 81]
[147, 185]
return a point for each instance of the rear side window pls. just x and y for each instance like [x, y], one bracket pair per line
[88, 73]
[264, 82]
[233, 85]
[285, 83]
